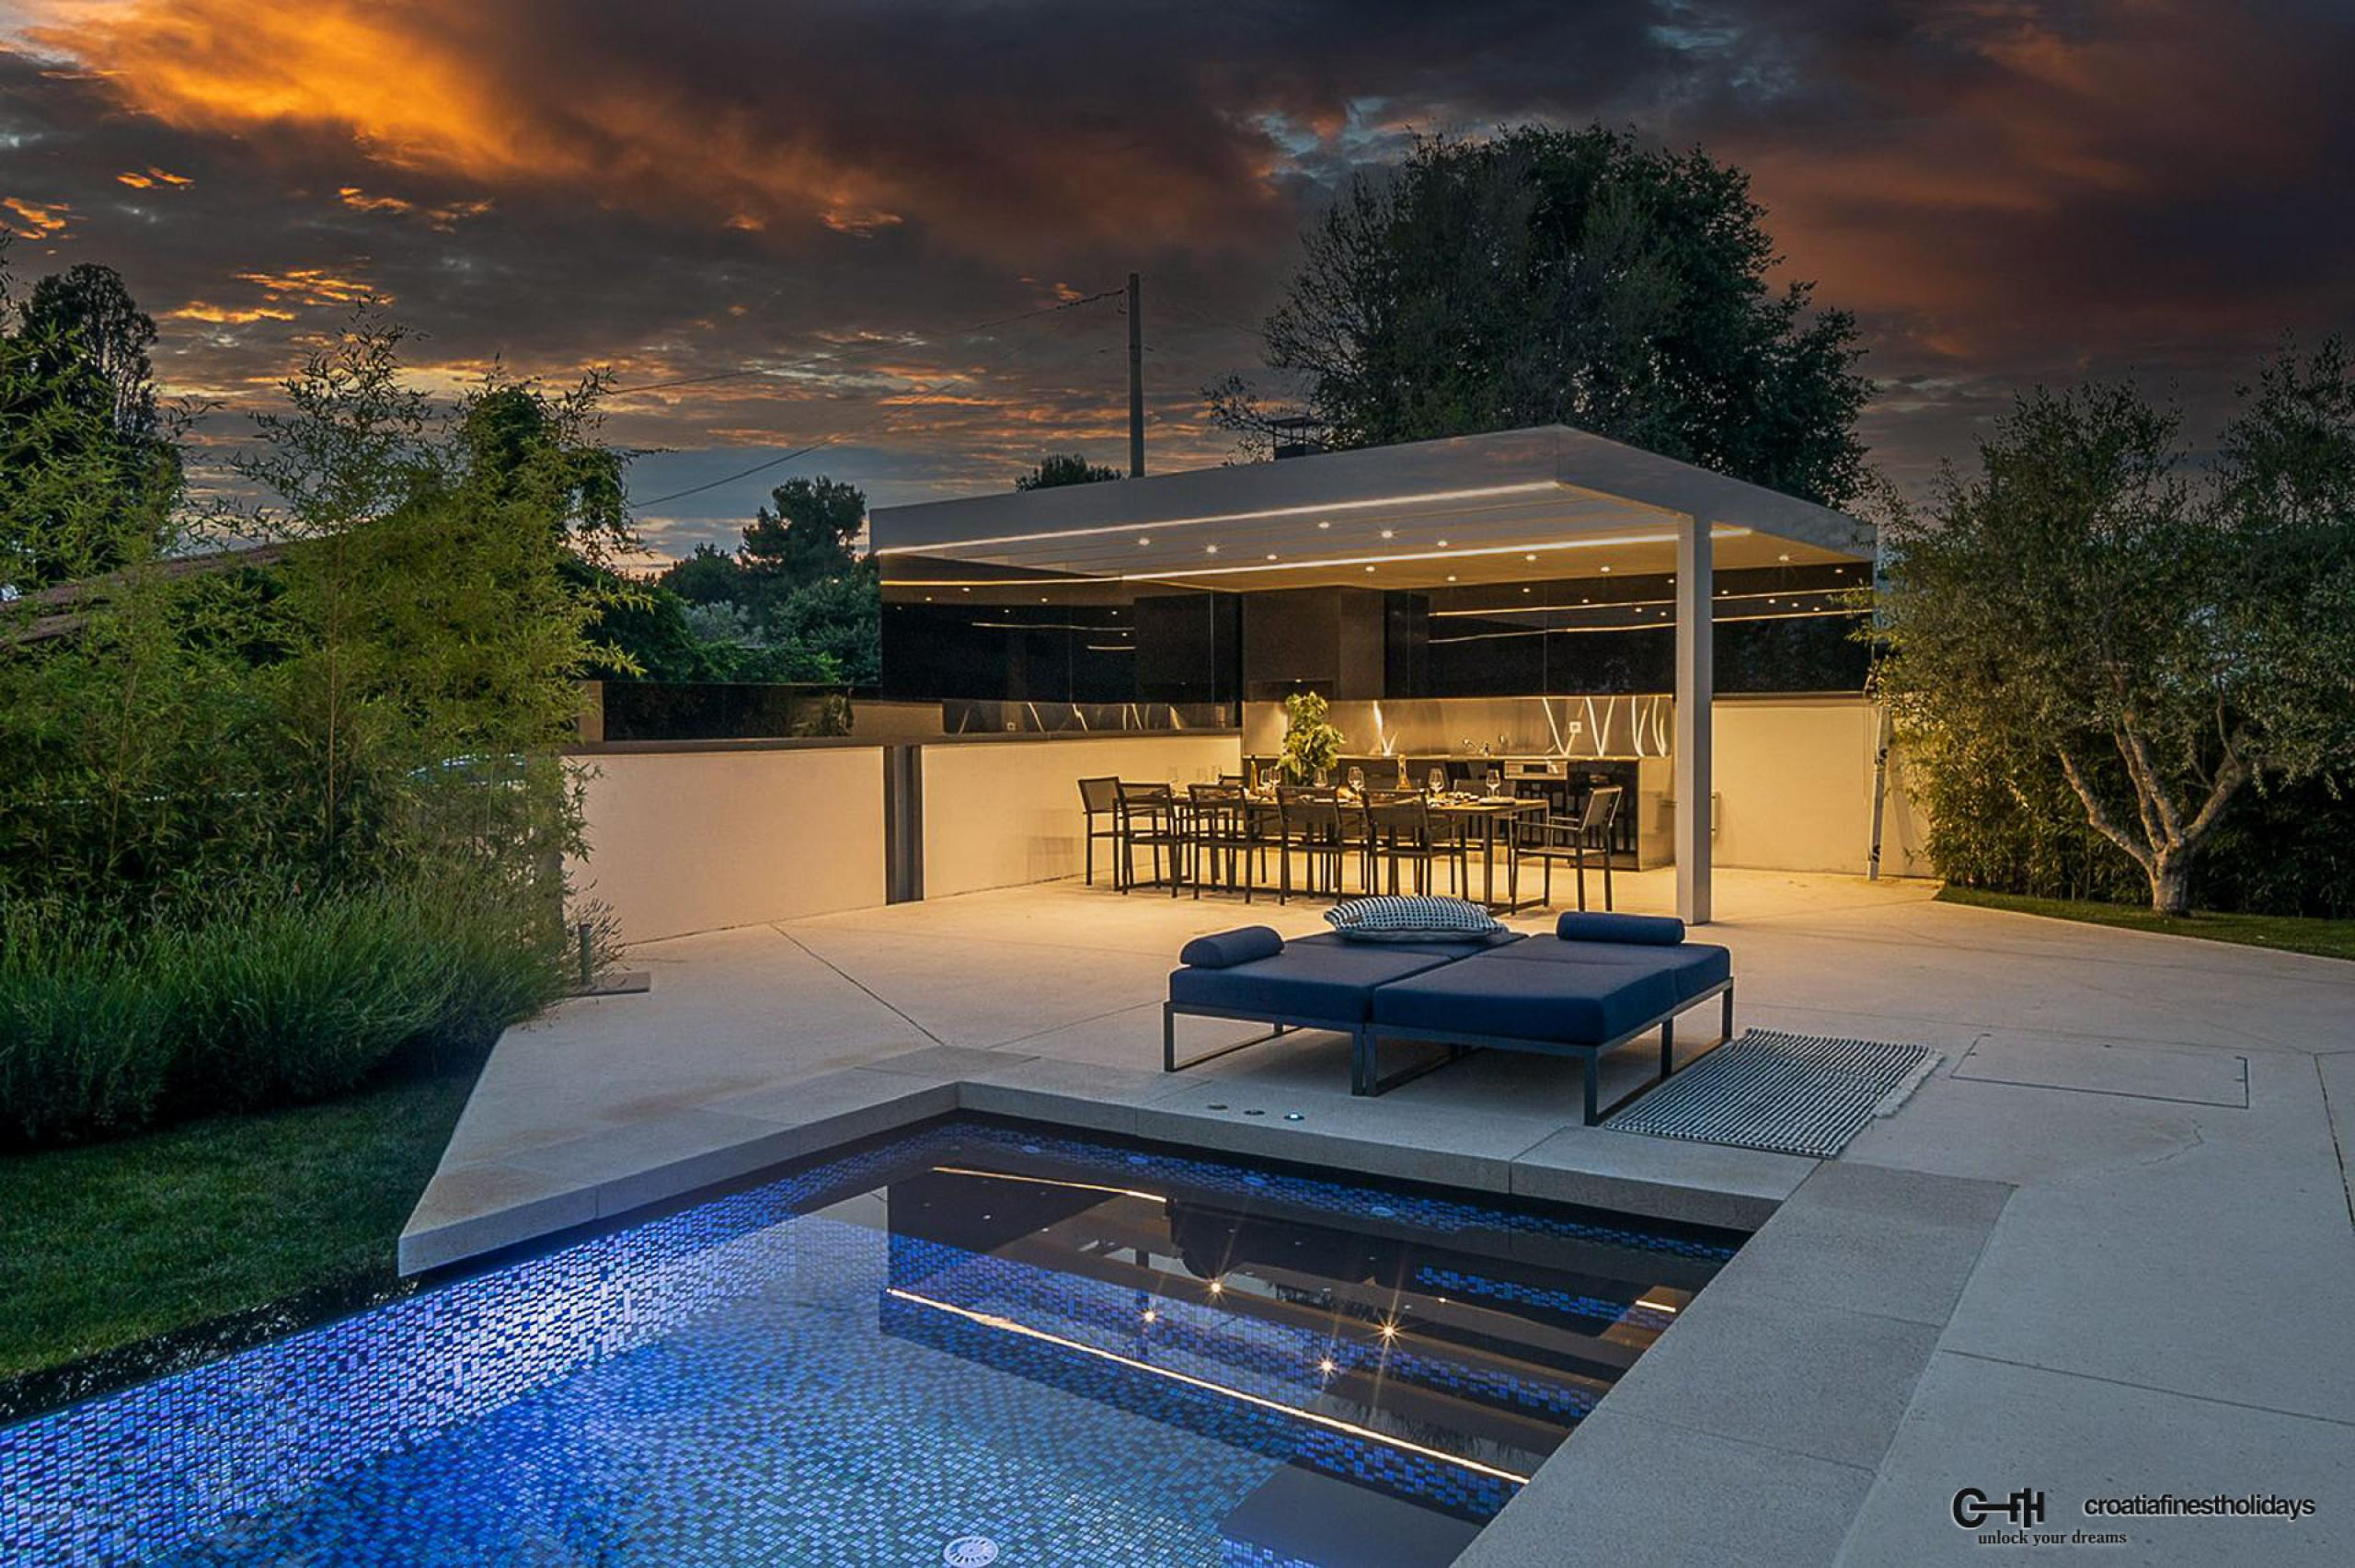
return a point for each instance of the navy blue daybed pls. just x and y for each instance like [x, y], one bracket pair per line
[1600, 982]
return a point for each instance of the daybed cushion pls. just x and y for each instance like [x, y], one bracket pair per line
[1495, 994]
[1649, 931]
[1305, 980]
[1692, 967]
[1410, 916]
[1224, 949]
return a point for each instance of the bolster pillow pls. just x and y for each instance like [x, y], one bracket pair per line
[1224, 949]
[1649, 931]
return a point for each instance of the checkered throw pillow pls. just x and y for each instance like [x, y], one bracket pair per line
[1412, 918]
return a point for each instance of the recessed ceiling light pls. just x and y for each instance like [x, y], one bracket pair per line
[1442, 544]
[1042, 598]
[1451, 576]
[964, 591]
[1606, 568]
[1210, 549]
[1526, 591]
[1142, 540]
[927, 598]
[1271, 554]
[1368, 568]
[1390, 534]
[1530, 557]
[1784, 557]
[1327, 523]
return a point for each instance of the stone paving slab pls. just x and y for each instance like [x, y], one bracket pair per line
[1706, 1184]
[1382, 1137]
[481, 1208]
[1824, 1383]
[2150, 1073]
[1717, 1501]
[1872, 1238]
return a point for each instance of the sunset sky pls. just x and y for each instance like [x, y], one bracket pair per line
[830, 188]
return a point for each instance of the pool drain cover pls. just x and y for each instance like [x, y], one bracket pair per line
[970, 1552]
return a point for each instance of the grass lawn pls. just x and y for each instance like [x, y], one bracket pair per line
[113, 1243]
[2290, 933]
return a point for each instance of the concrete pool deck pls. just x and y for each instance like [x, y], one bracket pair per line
[2104, 1251]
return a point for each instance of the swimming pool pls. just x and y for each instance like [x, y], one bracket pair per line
[970, 1343]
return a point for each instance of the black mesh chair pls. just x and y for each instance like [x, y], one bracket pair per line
[1400, 829]
[1220, 838]
[1148, 820]
[1101, 798]
[1549, 839]
[1308, 819]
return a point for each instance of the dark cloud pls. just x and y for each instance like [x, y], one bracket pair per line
[2002, 193]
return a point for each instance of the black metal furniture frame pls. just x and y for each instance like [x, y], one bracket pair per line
[1365, 1045]
[1365, 1040]
[1284, 1023]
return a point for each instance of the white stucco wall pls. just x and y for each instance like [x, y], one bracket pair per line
[997, 815]
[1794, 788]
[697, 840]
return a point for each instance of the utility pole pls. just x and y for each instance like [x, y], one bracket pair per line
[1136, 379]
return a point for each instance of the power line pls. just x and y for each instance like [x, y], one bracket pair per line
[731, 479]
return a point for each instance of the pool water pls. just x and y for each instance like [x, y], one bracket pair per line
[972, 1342]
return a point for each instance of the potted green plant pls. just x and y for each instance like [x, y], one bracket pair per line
[1312, 744]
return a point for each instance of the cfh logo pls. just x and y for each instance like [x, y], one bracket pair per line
[1972, 1509]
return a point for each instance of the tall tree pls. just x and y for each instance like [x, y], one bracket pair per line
[87, 311]
[90, 469]
[710, 575]
[1060, 468]
[1549, 276]
[2087, 600]
[812, 535]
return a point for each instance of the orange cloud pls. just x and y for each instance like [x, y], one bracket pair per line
[360, 200]
[227, 315]
[41, 220]
[860, 221]
[313, 286]
[455, 89]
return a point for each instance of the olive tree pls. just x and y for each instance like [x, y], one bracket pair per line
[2169, 636]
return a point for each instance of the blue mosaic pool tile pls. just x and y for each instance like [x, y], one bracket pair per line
[741, 1382]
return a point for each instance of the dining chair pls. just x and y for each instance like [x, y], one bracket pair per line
[1101, 798]
[1219, 838]
[1308, 817]
[1148, 817]
[1400, 826]
[1549, 839]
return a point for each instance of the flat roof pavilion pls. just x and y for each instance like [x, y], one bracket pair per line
[1549, 502]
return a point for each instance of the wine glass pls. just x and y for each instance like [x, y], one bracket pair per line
[1496, 783]
[1438, 781]
[1357, 779]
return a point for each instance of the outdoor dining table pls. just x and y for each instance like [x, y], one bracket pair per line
[1489, 813]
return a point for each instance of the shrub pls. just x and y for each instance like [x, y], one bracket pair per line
[271, 1002]
[301, 1000]
[294, 1000]
[83, 1050]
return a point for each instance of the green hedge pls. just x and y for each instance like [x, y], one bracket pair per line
[104, 1031]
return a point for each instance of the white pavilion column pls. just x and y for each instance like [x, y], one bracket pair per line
[1694, 636]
